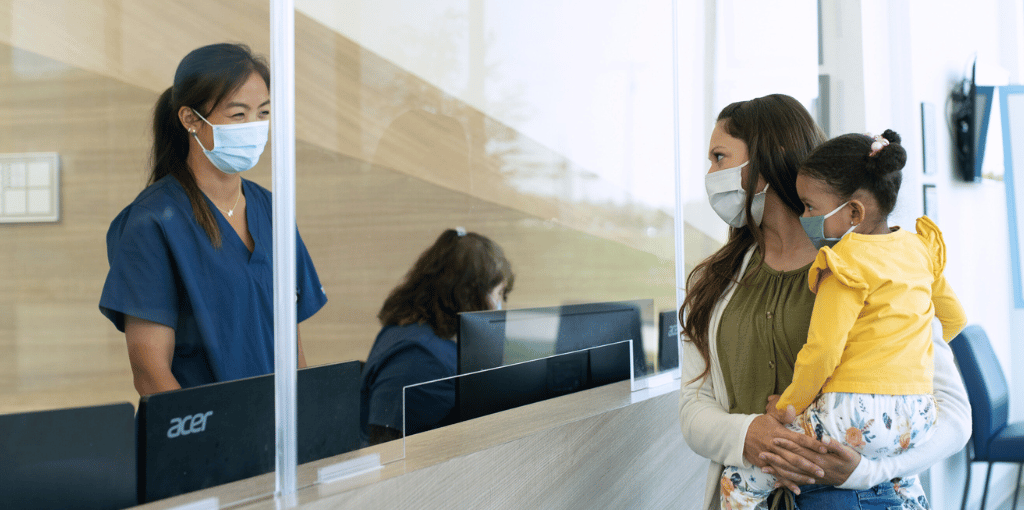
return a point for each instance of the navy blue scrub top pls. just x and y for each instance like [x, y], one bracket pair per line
[402, 356]
[164, 269]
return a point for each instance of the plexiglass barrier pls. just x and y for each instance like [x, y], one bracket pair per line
[434, 404]
[493, 338]
[408, 122]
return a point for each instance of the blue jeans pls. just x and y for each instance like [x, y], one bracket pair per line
[826, 497]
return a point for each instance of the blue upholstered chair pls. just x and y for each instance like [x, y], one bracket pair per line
[994, 440]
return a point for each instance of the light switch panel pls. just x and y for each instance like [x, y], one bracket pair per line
[30, 187]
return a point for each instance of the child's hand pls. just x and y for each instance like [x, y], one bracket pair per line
[784, 417]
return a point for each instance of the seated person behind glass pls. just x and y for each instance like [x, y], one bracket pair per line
[461, 272]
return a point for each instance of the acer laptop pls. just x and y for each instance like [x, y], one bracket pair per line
[209, 435]
[85, 455]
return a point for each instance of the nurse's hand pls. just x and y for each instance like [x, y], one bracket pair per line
[150, 351]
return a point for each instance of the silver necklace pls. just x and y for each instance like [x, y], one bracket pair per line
[231, 212]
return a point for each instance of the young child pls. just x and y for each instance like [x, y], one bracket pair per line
[864, 376]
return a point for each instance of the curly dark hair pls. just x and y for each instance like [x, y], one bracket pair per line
[454, 275]
[846, 164]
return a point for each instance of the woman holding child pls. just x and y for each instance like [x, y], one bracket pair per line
[746, 316]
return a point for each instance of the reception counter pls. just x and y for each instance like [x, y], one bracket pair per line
[602, 448]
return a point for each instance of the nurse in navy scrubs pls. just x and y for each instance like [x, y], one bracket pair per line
[190, 281]
[460, 272]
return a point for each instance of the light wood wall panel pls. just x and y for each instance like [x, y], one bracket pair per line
[347, 98]
[57, 350]
[365, 225]
[385, 163]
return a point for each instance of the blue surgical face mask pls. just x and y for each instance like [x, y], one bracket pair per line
[236, 147]
[814, 226]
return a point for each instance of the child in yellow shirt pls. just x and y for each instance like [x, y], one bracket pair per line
[864, 376]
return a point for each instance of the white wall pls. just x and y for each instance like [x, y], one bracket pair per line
[943, 37]
[886, 58]
[754, 49]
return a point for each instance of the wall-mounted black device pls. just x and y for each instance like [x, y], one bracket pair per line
[965, 126]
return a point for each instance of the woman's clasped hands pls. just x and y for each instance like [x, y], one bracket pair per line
[795, 458]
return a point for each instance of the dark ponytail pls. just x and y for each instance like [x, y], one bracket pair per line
[848, 163]
[203, 78]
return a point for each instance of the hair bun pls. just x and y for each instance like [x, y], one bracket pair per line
[891, 135]
[891, 158]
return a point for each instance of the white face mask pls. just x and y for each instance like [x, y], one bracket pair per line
[727, 197]
[236, 147]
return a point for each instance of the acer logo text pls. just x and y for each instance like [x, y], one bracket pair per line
[188, 424]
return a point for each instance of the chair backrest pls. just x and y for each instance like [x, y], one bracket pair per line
[985, 383]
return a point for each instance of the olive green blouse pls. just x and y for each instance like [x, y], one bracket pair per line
[763, 328]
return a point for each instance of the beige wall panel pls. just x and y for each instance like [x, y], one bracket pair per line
[58, 350]
[365, 225]
[348, 100]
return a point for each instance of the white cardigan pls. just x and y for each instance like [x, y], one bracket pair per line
[712, 432]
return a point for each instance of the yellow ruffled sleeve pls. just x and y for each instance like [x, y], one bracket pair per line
[948, 309]
[828, 262]
[932, 238]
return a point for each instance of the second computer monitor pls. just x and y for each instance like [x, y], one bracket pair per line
[495, 338]
[668, 340]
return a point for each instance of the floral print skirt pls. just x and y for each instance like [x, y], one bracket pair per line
[877, 426]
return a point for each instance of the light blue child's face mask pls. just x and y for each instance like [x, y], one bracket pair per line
[814, 226]
[236, 147]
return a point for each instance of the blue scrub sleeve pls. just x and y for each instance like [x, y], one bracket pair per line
[428, 404]
[310, 293]
[141, 280]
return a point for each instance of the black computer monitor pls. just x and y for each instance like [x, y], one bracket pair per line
[668, 339]
[494, 338]
[509, 386]
[209, 435]
[82, 457]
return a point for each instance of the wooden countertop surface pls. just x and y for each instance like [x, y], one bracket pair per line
[602, 448]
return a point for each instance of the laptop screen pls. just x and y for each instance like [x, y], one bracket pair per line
[83, 454]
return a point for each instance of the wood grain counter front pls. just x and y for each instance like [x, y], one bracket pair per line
[601, 448]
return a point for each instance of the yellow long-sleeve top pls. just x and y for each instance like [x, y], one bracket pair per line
[871, 327]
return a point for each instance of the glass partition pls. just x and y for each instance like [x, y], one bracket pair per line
[493, 338]
[79, 82]
[542, 125]
[553, 142]
[444, 402]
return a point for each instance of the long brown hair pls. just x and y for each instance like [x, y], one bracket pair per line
[454, 275]
[203, 79]
[778, 132]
